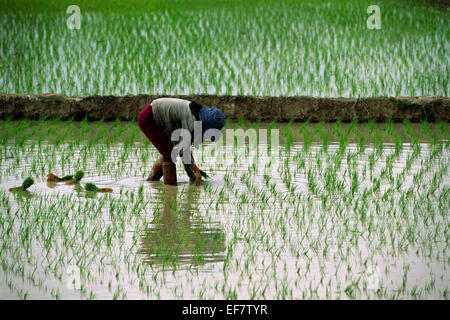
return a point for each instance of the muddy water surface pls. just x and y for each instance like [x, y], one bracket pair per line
[326, 215]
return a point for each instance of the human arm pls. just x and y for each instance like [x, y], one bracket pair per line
[194, 173]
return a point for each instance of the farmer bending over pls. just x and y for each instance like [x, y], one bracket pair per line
[161, 119]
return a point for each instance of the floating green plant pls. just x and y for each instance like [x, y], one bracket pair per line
[76, 178]
[93, 188]
[28, 182]
[69, 179]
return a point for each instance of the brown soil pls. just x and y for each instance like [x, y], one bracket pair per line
[267, 108]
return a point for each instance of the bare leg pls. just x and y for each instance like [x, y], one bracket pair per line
[157, 171]
[170, 173]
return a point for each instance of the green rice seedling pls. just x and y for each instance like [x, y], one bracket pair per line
[271, 126]
[255, 125]
[69, 179]
[307, 141]
[304, 126]
[336, 129]
[93, 188]
[289, 137]
[353, 126]
[325, 140]
[441, 124]
[237, 48]
[52, 177]
[240, 123]
[191, 174]
[378, 143]
[388, 127]
[342, 143]
[78, 176]
[28, 182]
[303, 222]
[371, 125]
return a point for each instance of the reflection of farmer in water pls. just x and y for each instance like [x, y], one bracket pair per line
[160, 120]
[177, 237]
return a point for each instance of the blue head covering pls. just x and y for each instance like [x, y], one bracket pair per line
[211, 118]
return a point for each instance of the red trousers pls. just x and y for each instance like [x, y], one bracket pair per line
[157, 137]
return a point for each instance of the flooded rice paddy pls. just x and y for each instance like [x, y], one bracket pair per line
[309, 48]
[335, 211]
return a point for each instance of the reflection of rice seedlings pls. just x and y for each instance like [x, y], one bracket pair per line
[177, 238]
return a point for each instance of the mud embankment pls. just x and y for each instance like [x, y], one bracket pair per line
[267, 108]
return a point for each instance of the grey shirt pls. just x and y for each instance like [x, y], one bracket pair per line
[171, 114]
